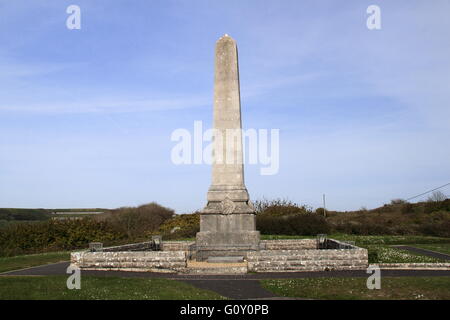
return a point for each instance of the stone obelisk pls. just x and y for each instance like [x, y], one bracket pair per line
[227, 223]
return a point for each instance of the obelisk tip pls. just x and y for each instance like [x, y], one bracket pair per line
[225, 36]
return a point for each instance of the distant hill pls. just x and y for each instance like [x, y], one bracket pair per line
[17, 214]
[13, 214]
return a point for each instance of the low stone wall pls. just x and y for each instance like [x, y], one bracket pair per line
[177, 245]
[159, 261]
[294, 244]
[307, 260]
[274, 256]
[141, 246]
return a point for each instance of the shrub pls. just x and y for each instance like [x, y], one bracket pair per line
[299, 224]
[181, 226]
[372, 255]
[54, 235]
[279, 207]
[407, 208]
[138, 222]
[432, 206]
[320, 211]
[364, 228]
[119, 226]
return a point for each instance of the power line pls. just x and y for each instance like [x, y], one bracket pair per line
[428, 191]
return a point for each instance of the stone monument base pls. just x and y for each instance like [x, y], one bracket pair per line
[294, 255]
[226, 235]
[226, 244]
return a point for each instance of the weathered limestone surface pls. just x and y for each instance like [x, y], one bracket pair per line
[227, 223]
[196, 267]
[141, 246]
[274, 256]
[307, 260]
[294, 244]
[177, 245]
[168, 261]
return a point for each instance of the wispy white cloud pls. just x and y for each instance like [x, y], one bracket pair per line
[109, 105]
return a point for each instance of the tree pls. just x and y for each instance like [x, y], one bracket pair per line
[437, 196]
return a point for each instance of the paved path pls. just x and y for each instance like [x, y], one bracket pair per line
[60, 269]
[425, 252]
[242, 286]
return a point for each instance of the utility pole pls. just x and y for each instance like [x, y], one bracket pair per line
[324, 207]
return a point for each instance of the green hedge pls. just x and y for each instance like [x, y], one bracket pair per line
[54, 235]
[299, 224]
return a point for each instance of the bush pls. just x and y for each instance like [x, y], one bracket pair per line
[372, 254]
[320, 211]
[188, 232]
[119, 226]
[407, 208]
[433, 206]
[299, 224]
[54, 235]
[181, 226]
[141, 221]
[437, 224]
[279, 207]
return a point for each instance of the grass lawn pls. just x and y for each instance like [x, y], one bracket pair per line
[31, 260]
[438, 247]
[99, 288]
[389, 240]
[381, 252]
[386, 254]
[410, 288]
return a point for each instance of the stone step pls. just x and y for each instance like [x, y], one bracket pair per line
[305, 252]
[216, 271]
[304, 269]
[235, 259]
[302, 264]
[203, 267]
[309, 262]
[299, 258]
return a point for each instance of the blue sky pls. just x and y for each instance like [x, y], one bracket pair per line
[86, 115]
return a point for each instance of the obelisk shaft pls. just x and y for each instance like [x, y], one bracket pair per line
[227, 223]
[227, 167]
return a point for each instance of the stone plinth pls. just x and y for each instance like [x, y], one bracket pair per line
[226, 235]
